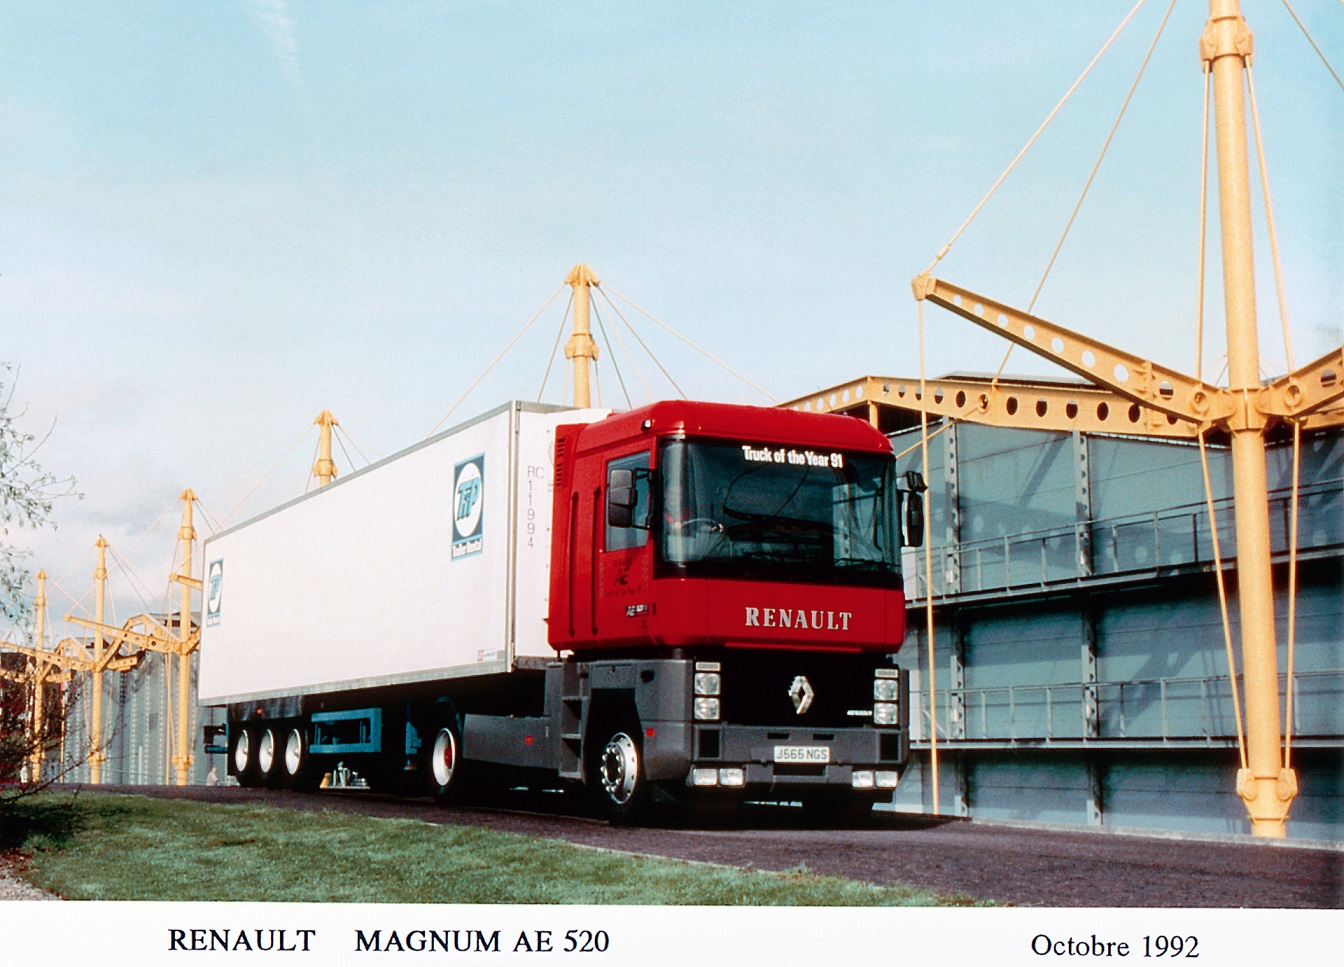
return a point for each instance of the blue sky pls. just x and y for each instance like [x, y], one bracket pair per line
[218, 219]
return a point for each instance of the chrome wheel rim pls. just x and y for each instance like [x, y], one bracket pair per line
[444, 758]
[242, 751]
[620, 768]
[293, 752]
[266, 751]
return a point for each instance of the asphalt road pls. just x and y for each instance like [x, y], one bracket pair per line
[1008, 864]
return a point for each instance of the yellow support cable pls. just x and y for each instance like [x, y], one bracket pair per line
[1087, 185]
[643, 345]
[148, 530]
[263, 479]
[714, 359]
[1203, 454]
[494, 363]
[1297, 424]
[1311, 40]
[947, 425]
[928, 572]
[611, 354]
[1032, 140]
[1269, 220]
[1292, 598]
[1203, 228]
[1124, 106]
[555, 350]
[1222, 600]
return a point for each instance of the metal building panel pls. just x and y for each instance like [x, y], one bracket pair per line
[1174, 792]
[1045, 789]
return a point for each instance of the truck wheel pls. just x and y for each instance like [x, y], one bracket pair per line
[244, 757]
[296, 767]
[269, 769]
[444, 774]
[619, 782]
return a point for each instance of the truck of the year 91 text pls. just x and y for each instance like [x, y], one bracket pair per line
[685, 601]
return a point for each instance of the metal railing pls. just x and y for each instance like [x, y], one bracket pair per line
[1167, 709]
[1134, 543]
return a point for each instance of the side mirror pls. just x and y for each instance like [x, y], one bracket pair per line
[914, 519]
[914, 508]
[621, 498]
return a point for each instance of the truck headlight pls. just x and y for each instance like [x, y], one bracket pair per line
[704, 777]
[733, 776]
[886, 713]
[706, 709]
[886, 689]
[861, 779]
[887, 780]
[707, 683]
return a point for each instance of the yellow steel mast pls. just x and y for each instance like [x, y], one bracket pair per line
[1266, 785]
[325, 468]
[154, 636]
[96, 754]
[581, 347]
[1139, 397]
[41, 671]
[66, 656]
[186, 641]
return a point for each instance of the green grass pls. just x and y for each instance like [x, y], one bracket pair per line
[104, 847]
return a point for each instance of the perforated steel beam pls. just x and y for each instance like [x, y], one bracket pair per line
[1066, 408]
[1137, 380]
[1309, 390]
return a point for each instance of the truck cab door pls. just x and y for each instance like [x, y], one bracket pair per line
[624, 564]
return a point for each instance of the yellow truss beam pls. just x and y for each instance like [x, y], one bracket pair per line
[63, 657]
[1039, 406]
[1309, 391]
[155, 638]
[1138, 380]
[1305, 395]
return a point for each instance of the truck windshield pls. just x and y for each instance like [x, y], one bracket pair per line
[756, 511]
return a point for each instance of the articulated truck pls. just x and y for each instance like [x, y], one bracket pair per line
[683, 601]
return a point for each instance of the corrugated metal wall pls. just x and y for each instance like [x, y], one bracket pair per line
[1080, 659]
[139, 729]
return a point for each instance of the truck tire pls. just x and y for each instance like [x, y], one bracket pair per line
[617, 775]
[269, 755]
[296, 764]
[243, 755]
[444, 765]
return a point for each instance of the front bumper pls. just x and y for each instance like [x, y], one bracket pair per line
[753, 749]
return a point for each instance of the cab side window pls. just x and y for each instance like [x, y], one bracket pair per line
[628, 502]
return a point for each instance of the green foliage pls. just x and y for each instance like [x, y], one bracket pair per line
[134, 848]
[26, 495]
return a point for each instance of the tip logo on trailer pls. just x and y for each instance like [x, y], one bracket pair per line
[215, 585]
[468, 504]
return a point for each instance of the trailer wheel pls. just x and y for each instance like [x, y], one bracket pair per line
[244, 757]
[620, 786]
[268, 757]
[444, 774]
[296, 767]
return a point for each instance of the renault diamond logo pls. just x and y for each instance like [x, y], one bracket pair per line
[801, 693]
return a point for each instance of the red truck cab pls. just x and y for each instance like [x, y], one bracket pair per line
[682, 525]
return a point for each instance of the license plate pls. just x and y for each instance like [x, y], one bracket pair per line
[812, 754]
